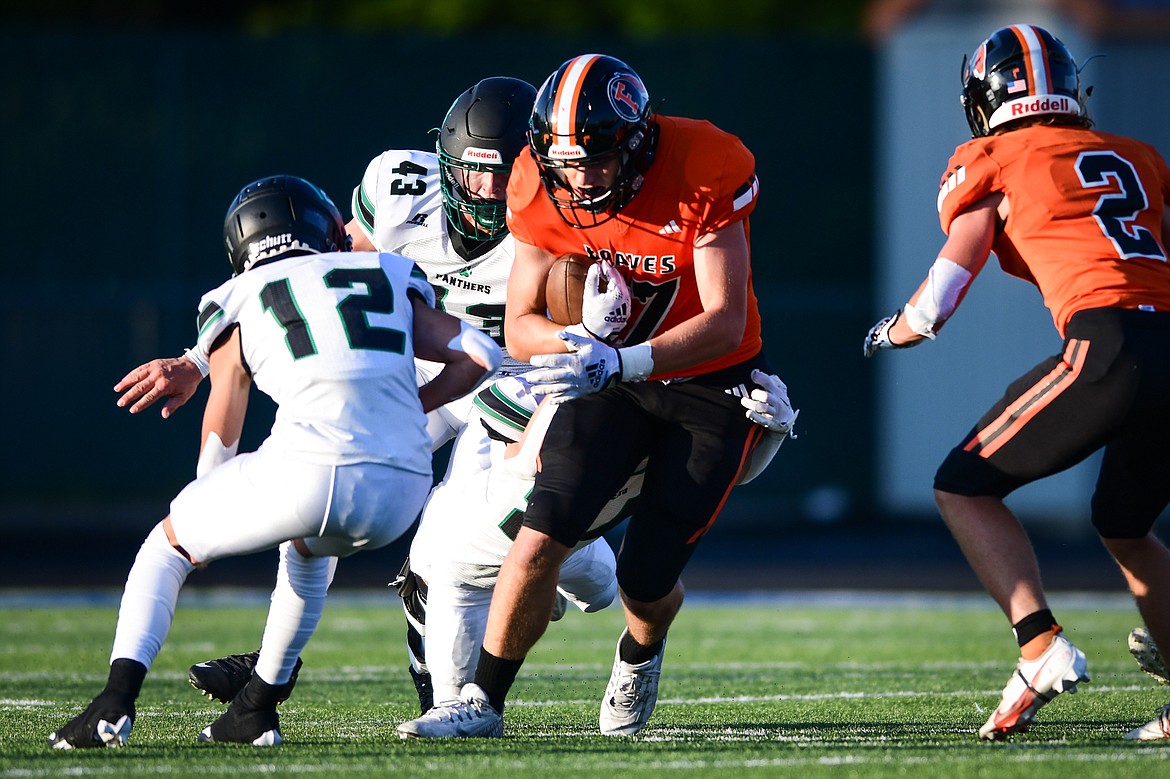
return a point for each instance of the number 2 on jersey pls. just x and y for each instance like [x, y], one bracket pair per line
[1115, 212]
[278, 299]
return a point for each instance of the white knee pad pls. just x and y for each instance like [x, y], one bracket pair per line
[589, 577]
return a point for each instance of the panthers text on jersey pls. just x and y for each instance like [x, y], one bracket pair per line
[329, 338]
[1085, 214]
[701, 180]
[400, 209]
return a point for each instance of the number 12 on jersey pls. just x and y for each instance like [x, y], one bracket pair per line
[278, 299]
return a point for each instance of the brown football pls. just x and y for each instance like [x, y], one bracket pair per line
[564, 290]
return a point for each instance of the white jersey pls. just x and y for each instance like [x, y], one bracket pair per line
[399, 207]
[328, 338]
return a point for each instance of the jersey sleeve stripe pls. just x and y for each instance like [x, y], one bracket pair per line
[207, 316]
[501, 413]
[746, 193]
[363, 208]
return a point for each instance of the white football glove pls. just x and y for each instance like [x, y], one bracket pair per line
[769, 407]
[588, 366]
[605, 314]
[878, 337]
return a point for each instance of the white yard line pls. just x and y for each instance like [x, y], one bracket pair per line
[246, 596]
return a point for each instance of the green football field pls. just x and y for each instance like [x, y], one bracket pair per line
[826, 684]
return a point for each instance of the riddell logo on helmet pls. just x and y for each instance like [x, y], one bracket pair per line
[1044, 105]
[559, 152]
[473, 154]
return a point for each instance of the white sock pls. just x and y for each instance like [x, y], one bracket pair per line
[148, 602]
[297, 602]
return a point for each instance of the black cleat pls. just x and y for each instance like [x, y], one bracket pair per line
[250, 719]
[106, 722]
[221, 680]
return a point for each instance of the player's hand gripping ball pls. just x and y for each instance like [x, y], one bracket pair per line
[564, 290]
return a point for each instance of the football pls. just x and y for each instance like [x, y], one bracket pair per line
[564, 290]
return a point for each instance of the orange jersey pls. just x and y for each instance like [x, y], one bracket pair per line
[701, 180]
[1085, 221]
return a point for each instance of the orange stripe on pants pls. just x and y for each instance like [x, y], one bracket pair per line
[987, 441]
[753, 439]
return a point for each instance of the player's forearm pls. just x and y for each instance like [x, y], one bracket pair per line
[532, 333]
[454, 381]
[705, 337]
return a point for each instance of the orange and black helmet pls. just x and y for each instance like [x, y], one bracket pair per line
[1021, 71]
[594, 109]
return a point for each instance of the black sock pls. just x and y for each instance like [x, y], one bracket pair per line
[1033, 625]
[630, 651]
[495, 675]
[258, 694]
[126, 677]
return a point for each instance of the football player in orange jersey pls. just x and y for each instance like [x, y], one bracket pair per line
[1083, 215]
[664, 201]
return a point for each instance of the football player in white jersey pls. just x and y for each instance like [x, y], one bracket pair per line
[445, 210]
[331, 337]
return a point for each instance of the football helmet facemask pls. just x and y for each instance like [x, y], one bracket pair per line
[1021, 71]
[484, 131]
[281, 216]
[592, 113]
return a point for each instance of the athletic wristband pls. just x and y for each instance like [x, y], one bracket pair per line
[637, 362]
[200, 361]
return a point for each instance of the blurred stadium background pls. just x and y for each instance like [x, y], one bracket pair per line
[127, 129]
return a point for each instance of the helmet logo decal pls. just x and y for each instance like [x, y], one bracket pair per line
[257, 248]
[476, 154]
[1017, 85]
[979, 62]
[627, 96]
[559, 151]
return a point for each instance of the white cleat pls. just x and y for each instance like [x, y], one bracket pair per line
[1035, 683]
[1145, 651]
[1154, 730]
[468, 716]
[630, 695]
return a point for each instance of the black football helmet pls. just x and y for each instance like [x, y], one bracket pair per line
[1020, 72]
[281, 216]
[484, 131]
[593, 110]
